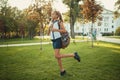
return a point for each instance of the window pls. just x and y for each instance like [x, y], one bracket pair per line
[104, 29]
[112, 26]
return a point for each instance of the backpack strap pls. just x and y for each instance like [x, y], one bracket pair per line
[53, 35]
[59, 24]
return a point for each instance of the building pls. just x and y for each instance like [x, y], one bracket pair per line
[106, 26]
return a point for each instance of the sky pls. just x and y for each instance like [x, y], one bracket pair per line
[58, 5]
[108, 4]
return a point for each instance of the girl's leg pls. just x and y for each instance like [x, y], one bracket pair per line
[67, 55]
[58, 57]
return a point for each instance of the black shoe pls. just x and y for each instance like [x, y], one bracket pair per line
[77, 57]
[63, 73]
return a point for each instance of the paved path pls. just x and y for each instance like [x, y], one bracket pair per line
[112, 40]
[30, 44]
[24, 44]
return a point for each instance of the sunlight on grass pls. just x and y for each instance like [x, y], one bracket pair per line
[108, 45]
[30, 63]
[116, 51]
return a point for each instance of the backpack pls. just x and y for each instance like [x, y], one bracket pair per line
[65, 38]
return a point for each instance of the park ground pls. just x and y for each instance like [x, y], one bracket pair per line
[46, 40]
[102, 62]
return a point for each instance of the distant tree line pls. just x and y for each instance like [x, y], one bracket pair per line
[15, 23]
[33, 21]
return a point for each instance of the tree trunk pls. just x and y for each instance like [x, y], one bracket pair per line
[72, 21]
[72, 29]
[92, 34]
[74, 11]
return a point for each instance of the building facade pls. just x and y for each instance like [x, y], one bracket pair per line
[107, 25]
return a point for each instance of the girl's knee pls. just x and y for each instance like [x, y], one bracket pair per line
[57, 56]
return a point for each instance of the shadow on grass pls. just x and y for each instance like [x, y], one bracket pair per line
[29, 63]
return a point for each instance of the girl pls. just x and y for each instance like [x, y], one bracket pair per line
[54, 31]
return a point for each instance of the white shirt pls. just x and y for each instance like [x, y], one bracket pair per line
[55, 35]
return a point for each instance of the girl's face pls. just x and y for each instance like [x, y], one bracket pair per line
[54, 15]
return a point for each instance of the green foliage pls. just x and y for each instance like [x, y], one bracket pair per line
[66, 16]
[15, 23]
[40, 14]
[116, 14]
[117, 4]
[91, 10]
[117, 32]
[29, 63]
[107, 34]
[9, 17]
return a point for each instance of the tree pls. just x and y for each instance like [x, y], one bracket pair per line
[117, 32]
[17, 23]
[117, 4]
[10, 16]
[117, 12]
[44, 9]
[40, 12]
[2, 24]
[66, 16]
[74, 12]
[3, 5]
[91, 11]
[31, 22]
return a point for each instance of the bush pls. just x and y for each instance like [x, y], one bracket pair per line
[107, 34]
[117, 32]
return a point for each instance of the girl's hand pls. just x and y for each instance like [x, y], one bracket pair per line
[54, 30]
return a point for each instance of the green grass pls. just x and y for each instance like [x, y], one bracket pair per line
[29, 63]
[21, 41]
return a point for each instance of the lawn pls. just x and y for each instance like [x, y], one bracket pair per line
[34, 40]
[30, 63]
[21, 41]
